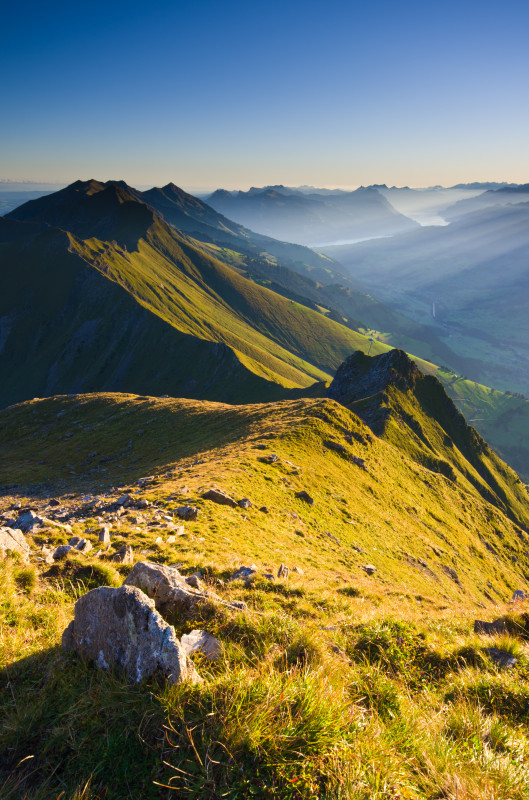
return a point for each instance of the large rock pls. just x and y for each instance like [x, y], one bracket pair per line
[490, 628]
[168, 588]
[12, 540]
[202, 642]
[220, 497]
[121, 628]
[188, 513]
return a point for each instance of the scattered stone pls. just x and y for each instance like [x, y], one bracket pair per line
[125, 500]
[220, 497]
[245, 503]
[74, 541]
[244, 573]
[201, 642]
[12, 540]
[47, 555]
[62, 551]
[188, 513]
[53, 502]
[260, 447]
[104, 534]
[195, 581]
[502, 658]
[271, 459]
[84, 546]
[282, 572]
[158, 540]
[171, 540]
[168, 588]
[265, 509]
[26, 521]
[144, 481]
[518, 594]
[120, 511]
[124, 555]
[298, 570]
[269, 576]
[333, 538]
[305, 496]
[490, 628]
[105, 630]
[369, 568]
[142, 503]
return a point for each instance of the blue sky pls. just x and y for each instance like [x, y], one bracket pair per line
[235, 94]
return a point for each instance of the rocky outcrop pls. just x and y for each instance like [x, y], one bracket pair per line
[169, 589]
[120, 628]
[12, 540]
[220, 497]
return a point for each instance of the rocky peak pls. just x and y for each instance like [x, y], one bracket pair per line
[362, 376]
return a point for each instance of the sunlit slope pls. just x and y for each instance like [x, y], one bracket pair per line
[412, 411]
[416, 526]
[64, 327]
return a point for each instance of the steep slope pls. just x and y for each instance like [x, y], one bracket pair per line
[162, 271]
[313, 218]
[413, 412]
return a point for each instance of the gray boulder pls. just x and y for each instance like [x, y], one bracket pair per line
[104, 534]
[518, 594]
[187, 512]
[201, 642]
[245, 503]
[220, 497]
[369, 568]
[305, 496]
[26, 521]
[62, 551]
[120, 628]
[244, 573]
[282, 572]
[502, 658]
[168, 588]
[124, 555]
[12, 540]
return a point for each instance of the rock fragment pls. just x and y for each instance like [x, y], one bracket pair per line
[502, 658]
[104, 534]
[369, 569]
[490, 628]
[121, 628]
[12, 540]
[282, 572]
[220, 497]
[201, 642]
[244, 573]
[245, 503]
[62, 551]
[124, 555]
[187, 512]
[125, 500]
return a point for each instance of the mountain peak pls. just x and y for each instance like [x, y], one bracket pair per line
[362, 376]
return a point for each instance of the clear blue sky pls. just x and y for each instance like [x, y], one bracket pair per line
[235, 94]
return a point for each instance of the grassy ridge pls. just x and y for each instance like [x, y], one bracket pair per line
[335, 684]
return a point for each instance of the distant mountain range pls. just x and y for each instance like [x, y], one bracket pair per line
[313, 218]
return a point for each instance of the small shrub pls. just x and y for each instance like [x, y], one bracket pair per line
[26, 578]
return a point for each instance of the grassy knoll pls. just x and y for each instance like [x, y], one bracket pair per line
[334, 683]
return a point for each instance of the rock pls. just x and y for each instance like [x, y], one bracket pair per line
[502, 658]
[124, 555]
[244, 573]
[26, 521]
[74, 541]
[220, 497]
[452, 574]
[62, 551]
[142, 503]
[120, 511]
[201, 642]
[170, 540]
[490, 628]
[260, 447]
[145, 481]
[518, 594]
[53, 502]
[298, 570]
[271, 459]
[269, 576]
[195, 581]
[305, 496]
[264, 509]
[12, 540]
[125, 500]
[121, 628]
[47, 554]
[187, 512]
[168, 588]
[84, 546]
[104, 534]
[333, 538]
[282, 572]
[369, 568]
[245, 503]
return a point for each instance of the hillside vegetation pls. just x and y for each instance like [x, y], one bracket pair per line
[340, 680]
